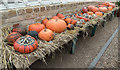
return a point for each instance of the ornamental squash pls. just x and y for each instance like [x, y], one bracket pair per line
[56, 25]
[84, 9]
[25, 44]
[36, 27]
[12, 37]
[73, 21]
[19, 28]
[33, 34]
[68, 20]
[70, 27]
[46, 34]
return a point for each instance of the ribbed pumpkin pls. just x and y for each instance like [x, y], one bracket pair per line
[46, 34]
[99, 13]
[25, 44]
[44, 21]
[90, 13]
[106, 3]
[110, 8]
[67, 20]
[55, 17]
[56, 25]
[103, 9]
[90, 7]
[112, 5]
[61, 16]
[101, 5]
[12, 37]
[36, 27]
[19, 28]
[95, 9]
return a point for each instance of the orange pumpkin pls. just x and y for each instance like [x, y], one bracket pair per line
[45, 21]
[95, 9]
[90, 7]
[103, 9]
[61, 16]
[55, 17]
[46, 34]
[36, 27]
[67, 20]
[112, 5]
[56, 25]
[99, 13]
[73, 21]
[110, 8]
[90, 13]
[106, 3]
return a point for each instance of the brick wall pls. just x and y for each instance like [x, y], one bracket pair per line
[34, 14]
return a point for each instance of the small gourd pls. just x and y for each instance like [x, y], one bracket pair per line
[70, 27]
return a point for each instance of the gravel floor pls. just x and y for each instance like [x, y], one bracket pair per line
[110, 57]
[86, 50]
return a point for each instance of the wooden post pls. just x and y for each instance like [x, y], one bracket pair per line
[93, 30]
[73, 45]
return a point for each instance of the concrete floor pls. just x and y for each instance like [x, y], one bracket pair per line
[86, 50]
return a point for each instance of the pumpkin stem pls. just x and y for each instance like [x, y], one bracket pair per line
[48, 18]
[56, 19]
[45, 30]
[57, 13]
